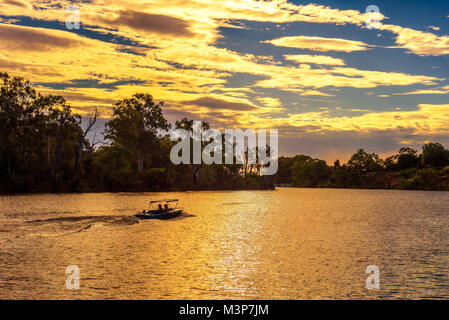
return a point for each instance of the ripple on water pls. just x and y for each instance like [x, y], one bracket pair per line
[287, 244]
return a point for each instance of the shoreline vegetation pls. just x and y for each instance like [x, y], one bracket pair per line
[44, 149]
[407, 170]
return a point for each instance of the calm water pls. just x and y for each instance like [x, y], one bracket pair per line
[283, 244]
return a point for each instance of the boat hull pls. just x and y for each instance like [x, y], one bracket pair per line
[161, 216]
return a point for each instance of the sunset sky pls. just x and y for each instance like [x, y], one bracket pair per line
[313, 70]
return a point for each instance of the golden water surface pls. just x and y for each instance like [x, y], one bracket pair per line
[283, 244]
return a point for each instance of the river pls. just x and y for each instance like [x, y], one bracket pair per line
[283, 244]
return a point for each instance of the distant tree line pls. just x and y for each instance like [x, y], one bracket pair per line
[44, 148]
[428, 170]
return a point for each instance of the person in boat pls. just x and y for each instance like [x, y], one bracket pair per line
[166, 207]
[160, 208]
[143, 212]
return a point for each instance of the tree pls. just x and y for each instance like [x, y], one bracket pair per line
[308, 172]
[188, 126]
[19, 115]
[65, 124]
[136, 125]
[391, 163]
[36, 137]
[434, 155]
[337, 164]
[407, 159]
[365, 162]
[80, 143]
[111, 167]
[44, 148]
[284, 174]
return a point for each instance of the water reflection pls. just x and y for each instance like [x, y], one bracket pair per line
[284, 244]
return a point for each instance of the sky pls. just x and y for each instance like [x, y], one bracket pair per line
[316, 71]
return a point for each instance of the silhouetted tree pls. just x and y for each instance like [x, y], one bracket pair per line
[434, 155]
[44, 148]
[80, 143]
[365, 162]
[337, 164]
[407, 158]
[188, 126]
[136, 124]
[308, 172]
[36, 137]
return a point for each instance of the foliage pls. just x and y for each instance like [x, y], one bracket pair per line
[43, 148]
[434, 155]
[363, 170]
[37, 138]
[365, 162]
[135, 124]
[308, 172]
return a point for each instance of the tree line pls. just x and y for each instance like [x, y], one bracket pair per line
[44, 148]
[408, 169]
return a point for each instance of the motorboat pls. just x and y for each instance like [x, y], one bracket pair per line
[161, 209]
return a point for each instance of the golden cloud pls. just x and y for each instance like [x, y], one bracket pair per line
[426, 120]
[419, 42]
[315, 59]
[178, 60]
[34, 39]
[319, 44]
[153, 23]
[430, 91]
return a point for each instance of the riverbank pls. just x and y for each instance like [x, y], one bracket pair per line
[429, 179]
[133, 190]
[410, 174]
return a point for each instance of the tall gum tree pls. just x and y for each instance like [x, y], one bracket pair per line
[136, 124]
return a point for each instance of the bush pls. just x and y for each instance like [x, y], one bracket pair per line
[408, 173]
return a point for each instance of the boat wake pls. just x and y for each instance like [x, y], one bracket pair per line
[60, 234]
[62, 226]
[113, 220]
